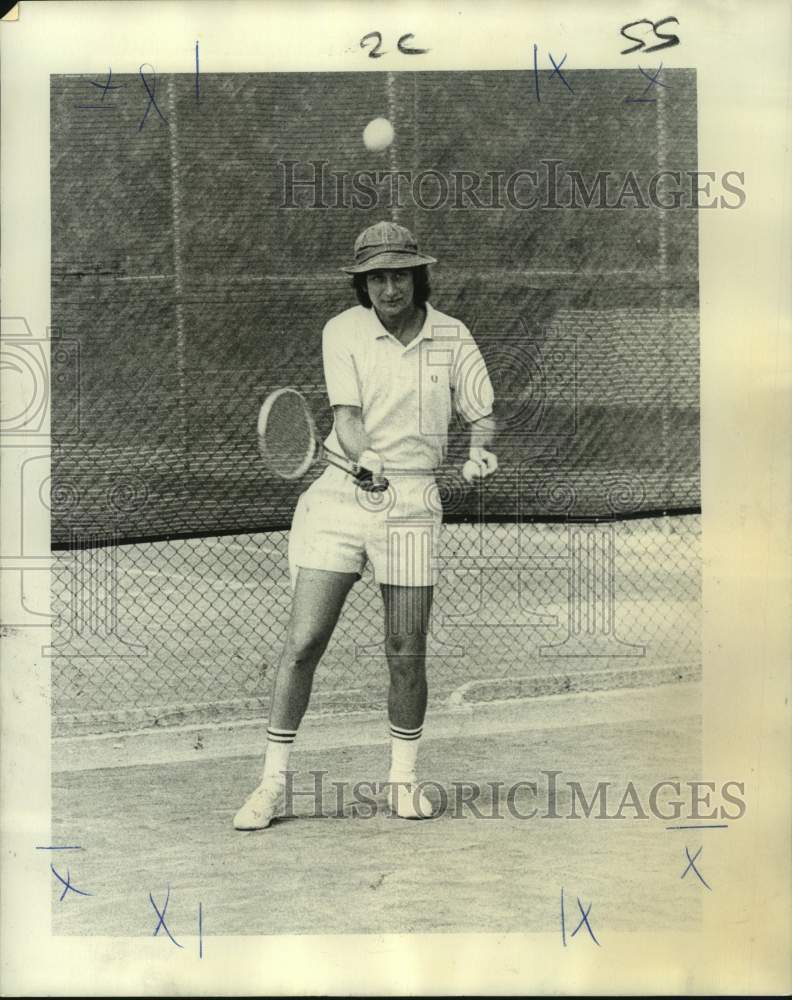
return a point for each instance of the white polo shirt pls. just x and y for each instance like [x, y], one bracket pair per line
[406, 394]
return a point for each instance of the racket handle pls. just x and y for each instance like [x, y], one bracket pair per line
[363, 477]
[367, 481]
[370, 472]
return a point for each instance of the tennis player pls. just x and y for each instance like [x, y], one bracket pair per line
[395, 368]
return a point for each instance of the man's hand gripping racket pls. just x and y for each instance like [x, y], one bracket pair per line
[289, 443]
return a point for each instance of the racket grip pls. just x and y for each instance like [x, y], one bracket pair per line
[367, 481]
[369, 473]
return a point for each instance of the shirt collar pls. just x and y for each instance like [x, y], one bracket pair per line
[425, 333]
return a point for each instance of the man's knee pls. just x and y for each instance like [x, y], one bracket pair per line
[307, 647]
[406, 645]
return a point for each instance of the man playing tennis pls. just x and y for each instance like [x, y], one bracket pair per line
[395, 368]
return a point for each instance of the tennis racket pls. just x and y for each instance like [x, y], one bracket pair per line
[289, 443]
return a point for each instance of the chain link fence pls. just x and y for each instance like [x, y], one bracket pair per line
[191, 276]
[189, 631]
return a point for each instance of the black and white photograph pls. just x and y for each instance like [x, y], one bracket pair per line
[377, 537]
[284, 291]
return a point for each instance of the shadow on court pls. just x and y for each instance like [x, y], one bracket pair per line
[163, 831]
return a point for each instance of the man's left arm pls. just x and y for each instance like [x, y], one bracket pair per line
[482, 445]
[483, 432]
[475, 399]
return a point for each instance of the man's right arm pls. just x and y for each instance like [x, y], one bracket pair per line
[355, 441]
[349, 430]
[343, 391]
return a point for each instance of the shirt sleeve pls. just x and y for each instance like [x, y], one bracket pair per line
[473, 392]
[341, 379]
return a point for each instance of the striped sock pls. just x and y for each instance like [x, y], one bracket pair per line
[404, 752]
[279, 745]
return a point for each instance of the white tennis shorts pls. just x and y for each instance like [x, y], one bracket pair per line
[337, 526]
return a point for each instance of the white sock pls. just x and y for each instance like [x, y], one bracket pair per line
[279, 745]
[404, 752]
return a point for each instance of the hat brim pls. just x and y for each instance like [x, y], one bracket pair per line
[390, 261]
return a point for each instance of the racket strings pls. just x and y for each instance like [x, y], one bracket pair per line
[286, 440]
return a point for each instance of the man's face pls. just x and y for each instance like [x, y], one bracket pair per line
[391, 292]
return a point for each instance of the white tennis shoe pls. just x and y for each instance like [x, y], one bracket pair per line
[263, 804]
[407, 801]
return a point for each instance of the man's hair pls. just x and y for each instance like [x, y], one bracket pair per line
[421, 288]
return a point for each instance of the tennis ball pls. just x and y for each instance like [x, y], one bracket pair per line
[470, 471]
[378, 135]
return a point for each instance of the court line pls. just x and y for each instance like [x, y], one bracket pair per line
[457, 699]
[246, 738]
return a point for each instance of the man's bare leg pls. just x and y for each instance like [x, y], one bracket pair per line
[319, 596]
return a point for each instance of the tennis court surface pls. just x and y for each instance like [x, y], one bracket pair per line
[151, 812]
[554, 648]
